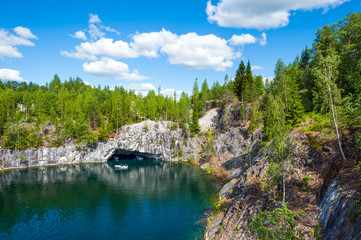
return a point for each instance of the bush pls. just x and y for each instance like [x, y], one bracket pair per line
[209, 169]
[278, 224]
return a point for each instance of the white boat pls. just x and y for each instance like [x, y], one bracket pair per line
[121, 167]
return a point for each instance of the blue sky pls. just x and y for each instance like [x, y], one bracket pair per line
[145, 44]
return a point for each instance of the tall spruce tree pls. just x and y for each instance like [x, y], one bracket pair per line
[239, 81]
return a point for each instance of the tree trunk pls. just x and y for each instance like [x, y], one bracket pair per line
[335, 122]
[283, 180]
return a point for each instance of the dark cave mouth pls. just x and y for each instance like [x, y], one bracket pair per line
[126, 154]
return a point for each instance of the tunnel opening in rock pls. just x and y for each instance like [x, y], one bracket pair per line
[126, 154]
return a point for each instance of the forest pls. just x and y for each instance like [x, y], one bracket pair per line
[60, 112]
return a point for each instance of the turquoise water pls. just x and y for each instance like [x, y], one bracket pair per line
[150, 200]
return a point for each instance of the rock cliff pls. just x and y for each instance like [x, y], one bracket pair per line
[149, 139]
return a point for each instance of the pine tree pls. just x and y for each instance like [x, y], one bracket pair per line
[249, 89]
[239, 81]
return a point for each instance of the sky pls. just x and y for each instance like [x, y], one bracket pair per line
[143, 44]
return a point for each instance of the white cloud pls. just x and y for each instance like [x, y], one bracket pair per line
[148, 44]
[109, 68]
[261, 14]
[263, 40]
[170, 92]
[7, 38]
[240, 40]
[190, 50]
[86, 83]
[104, 47]
[79, 35]
[200, 52]
[24, 32]
[93, 18]
[8, 41]
[140, 86]
[10, 75]
[256, 67]
[96, 26]
[9, 52]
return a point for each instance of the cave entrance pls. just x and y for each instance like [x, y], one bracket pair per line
[126, 154]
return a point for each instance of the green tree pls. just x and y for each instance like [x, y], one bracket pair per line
[239, 81]
[326, 62]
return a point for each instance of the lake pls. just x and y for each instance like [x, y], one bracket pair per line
[151, 200]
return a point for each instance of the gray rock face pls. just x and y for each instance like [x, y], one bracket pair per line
[149, 139]
[338, 214]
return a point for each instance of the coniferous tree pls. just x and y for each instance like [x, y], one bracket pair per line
[239, 81]
[249, 88]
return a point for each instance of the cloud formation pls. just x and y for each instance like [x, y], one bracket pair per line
[79, 35]
[190, 50]
[10, 75]
[263, 40]
[140, 86]
[110, 69]
[9, 41]
[260, 14]
[24, 32]
[256, 67]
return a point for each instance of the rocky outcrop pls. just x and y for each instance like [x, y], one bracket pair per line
[338, 215]
[149, 139]
[330, 208]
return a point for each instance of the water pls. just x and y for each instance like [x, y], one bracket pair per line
[150, 200]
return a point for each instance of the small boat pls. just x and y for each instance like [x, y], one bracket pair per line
[121, 167]
[138, 158]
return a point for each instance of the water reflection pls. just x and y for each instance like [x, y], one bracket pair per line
[93, 201]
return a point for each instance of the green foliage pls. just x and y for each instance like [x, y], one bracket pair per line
[218, 207]
[78, 111]
[305, 184]
[358, 139]
[255, 119]
[190, 160]
[274, 118]
[280, 224]
[209, 169]
[103, 134]
[174, 126]
[22, 158]
[18, 136]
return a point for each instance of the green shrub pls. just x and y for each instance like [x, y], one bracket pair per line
[174, 126]
[22, 158]
[209, 169]
[278, 224]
